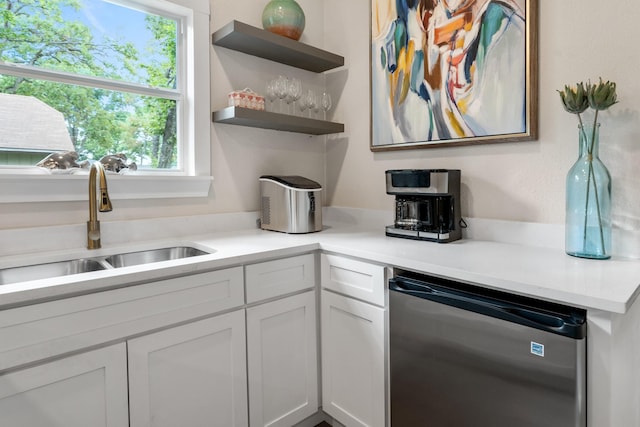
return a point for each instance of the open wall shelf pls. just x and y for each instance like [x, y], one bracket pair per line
[258, 42]
[268, 120]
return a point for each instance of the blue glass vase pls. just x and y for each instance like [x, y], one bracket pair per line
[588, 200]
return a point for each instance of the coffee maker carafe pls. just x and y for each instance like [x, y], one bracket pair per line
[427, 204]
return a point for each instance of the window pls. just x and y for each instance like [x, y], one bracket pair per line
[100, 78]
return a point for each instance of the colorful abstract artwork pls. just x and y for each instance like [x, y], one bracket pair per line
[452, 72]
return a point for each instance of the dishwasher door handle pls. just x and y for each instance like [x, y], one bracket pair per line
[550, 322]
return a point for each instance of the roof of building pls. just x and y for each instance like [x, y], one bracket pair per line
[28, 124]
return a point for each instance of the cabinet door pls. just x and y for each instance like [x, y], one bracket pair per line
[353, 355]
[192, 375]
[283, 366]
[88, 389]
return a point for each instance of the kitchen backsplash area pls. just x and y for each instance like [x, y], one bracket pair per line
[72, 237]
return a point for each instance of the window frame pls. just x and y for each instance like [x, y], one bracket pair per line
[193, 179]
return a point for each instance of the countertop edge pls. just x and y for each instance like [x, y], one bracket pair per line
[611, 286]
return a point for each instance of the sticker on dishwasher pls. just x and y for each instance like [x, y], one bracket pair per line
[537, 349]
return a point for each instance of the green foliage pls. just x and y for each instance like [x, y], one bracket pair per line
[162, 73]
[100, 122]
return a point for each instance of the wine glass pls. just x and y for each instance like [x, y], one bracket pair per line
[294, 92]
[318, 105]
[281, 89]
[302, 105]
[326, 103]
[311, 101]
[271, 93]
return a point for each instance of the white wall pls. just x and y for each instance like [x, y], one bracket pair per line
[578, 39]
[241, 155]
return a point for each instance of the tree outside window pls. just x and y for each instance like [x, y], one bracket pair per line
[109, 69]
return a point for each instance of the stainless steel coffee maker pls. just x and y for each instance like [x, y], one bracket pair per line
[427, 204]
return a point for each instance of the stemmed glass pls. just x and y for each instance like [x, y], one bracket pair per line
[281, 86]
[318, 105]
[302, 105]
[311, 101]
[271, 93]
[326, 103]
[294, 92]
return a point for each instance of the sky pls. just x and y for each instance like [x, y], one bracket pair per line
[105, 19]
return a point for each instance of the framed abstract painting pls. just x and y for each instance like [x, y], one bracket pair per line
[452, 72]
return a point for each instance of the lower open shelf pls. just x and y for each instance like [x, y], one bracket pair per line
[268, 120]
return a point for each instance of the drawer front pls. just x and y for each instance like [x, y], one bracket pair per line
[279, 277]
[39, 331]
[358, 279]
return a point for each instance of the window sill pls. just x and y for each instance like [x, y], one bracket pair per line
[18, 188]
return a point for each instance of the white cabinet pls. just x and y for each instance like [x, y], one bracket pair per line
[191, 375]
[353, 363]
[256, 364]
[353, 342]
[88, 389]
[38, 332]
[282, 361]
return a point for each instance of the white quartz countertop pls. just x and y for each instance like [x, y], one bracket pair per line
[610, 285]
[550, 274]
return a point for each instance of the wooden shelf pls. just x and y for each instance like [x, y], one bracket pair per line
[258, 42]
[268, 120]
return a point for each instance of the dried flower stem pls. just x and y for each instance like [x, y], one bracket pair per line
[590, 145]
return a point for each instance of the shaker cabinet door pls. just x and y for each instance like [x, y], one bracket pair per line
[282, 360]
[353, 367]
[87, 389]
[192, 375]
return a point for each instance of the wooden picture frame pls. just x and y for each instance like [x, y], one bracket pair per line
[453, 72]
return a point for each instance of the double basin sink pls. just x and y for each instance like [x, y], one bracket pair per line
[85, 265]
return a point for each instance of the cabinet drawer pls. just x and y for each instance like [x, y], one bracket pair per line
[358, 279]
[279, 277]
[39, 331]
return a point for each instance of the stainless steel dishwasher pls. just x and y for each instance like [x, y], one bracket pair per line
[465, 356]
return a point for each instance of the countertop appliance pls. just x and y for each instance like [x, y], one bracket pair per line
[290, 204]
[463, 356]
[427, 204]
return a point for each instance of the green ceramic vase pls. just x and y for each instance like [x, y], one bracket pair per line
[284, 17]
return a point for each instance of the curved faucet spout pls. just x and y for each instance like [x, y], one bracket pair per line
[93, 225]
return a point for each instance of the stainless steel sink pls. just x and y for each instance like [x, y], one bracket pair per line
[49, 270]
[76, 266]
[153, 255]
